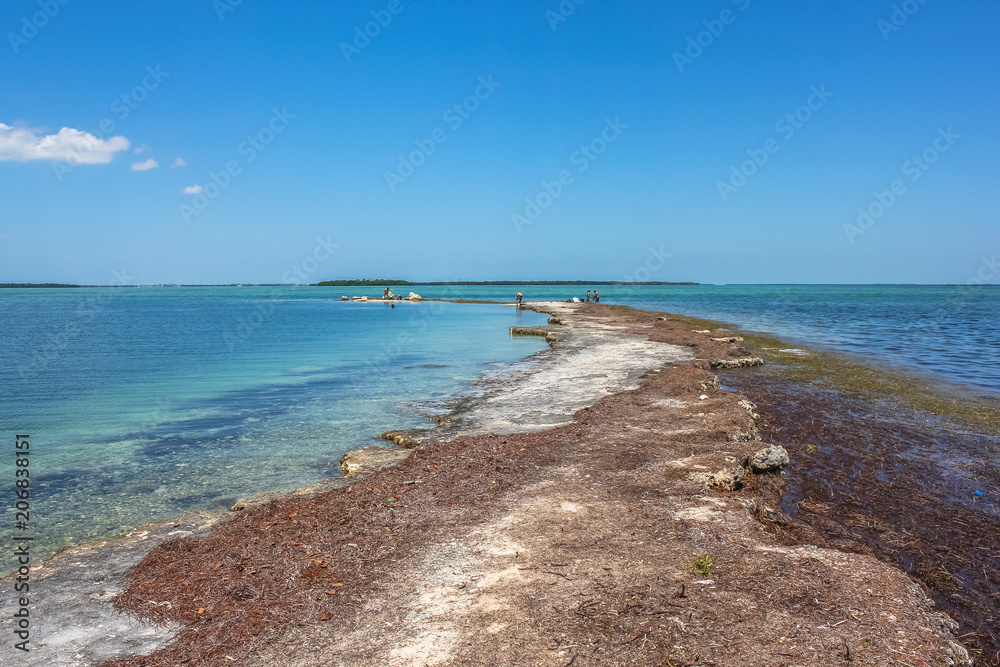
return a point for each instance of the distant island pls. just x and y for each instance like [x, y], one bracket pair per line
[362, 282]
[12, 285]
[381, 283]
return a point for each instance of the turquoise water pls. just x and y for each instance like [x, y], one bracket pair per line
[144, 402]
[947, 331]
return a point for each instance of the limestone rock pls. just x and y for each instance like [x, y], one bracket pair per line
[727, 479]
[414, 297]
[770, 459]
[401, 438]
[711, 383]
[764, 512]
[956, 655]
[743, 362]
[728, 339]
[345, 298]
[749, 406]
[528, 331]
[367, 460]
[749, 433]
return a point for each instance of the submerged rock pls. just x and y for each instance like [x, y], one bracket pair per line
[771, 459]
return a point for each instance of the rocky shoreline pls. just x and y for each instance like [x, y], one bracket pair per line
[602, 502]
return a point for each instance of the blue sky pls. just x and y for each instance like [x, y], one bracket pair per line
[652, 114]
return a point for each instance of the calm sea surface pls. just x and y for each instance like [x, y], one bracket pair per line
[144, 402]
[950, 332]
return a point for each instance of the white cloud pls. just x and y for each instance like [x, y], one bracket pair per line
[141, 149]
[22, 145]
[193, 190]
[145, 166]
[178, 162]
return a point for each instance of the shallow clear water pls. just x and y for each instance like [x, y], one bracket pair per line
[144, 402]
[949, 331]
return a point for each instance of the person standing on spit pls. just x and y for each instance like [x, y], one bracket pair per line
[597, 297]
[517, 300]
[588, 295]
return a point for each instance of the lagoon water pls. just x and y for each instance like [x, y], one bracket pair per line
[950, 332]
[144, 402]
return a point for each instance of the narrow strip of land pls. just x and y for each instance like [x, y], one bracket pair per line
[600, 504]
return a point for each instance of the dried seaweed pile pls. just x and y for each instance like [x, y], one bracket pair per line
[300, 559]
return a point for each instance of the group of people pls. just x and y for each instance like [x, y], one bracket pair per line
[596, 298]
